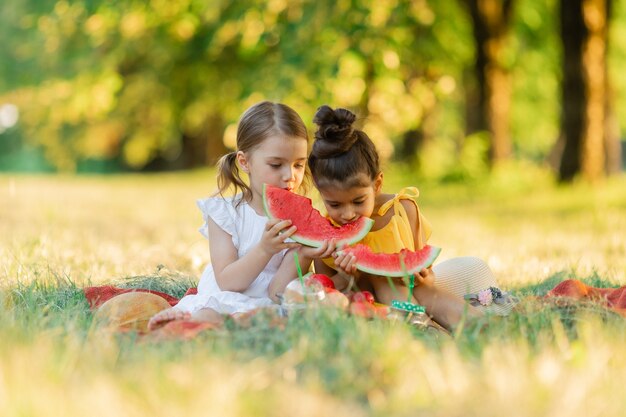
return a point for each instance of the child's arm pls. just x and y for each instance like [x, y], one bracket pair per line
[426, 276]
[413, 216]
[236, 274]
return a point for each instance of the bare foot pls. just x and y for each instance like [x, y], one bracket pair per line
[165, 316]
[207, 315]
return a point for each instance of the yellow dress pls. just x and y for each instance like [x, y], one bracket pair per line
[398, 233]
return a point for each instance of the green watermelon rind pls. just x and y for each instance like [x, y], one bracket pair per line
[434, 253]
[367, 225]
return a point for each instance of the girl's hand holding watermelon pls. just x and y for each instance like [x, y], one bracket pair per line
[309, 253]
[345, 263]
[274, 236]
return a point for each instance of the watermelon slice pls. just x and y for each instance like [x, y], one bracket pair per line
[403, 263]
[313, 228]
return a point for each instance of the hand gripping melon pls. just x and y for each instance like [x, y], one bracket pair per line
[312, 228]
[399, 264]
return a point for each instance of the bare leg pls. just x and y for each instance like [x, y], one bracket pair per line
[445, 308]
[386, 292]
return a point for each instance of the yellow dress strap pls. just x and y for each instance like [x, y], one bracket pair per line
[410, 193]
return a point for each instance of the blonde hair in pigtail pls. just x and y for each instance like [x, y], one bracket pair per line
[228, 175]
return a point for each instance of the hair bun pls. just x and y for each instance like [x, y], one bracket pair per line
[335, 133]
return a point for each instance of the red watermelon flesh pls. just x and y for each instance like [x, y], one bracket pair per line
[405, 262]
[312, 228]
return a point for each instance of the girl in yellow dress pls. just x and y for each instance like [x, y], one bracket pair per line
[344, 164]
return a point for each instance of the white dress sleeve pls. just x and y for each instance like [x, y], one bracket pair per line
[222, 212]
[246, 228]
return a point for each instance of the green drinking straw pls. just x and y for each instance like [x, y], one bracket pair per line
[411, 286]
[410, 278]
[300, 276]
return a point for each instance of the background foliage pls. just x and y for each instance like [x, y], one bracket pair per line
[160, 84]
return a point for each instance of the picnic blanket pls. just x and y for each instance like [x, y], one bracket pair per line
[573, 289]
[180, 329]
[125, 309]
[96, 296]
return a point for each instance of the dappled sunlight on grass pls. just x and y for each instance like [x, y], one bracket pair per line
[86, 377]
[59, 234]
[330, 365]
[96, 229]
[99, 228]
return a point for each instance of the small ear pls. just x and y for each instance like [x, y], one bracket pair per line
[242, 161]
[378, 182]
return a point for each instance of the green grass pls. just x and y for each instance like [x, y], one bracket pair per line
[59, 234]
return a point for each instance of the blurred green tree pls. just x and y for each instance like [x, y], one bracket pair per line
[161, 84]
[588, 140]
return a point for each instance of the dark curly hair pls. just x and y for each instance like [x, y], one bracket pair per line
[341, 154]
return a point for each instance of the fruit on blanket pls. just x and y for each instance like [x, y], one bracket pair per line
[368, 311]
[335, 299]
[296, 293]
[312, 228]
[405, 262]
[322, 279]
[130, 311]
[363, 297]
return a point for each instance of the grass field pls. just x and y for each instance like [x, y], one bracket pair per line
[59, 234]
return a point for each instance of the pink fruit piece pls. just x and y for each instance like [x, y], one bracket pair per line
[322, 279]
[363, 297]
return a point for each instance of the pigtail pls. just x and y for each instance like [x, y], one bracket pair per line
[228, 175]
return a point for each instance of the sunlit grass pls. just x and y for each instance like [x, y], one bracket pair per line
[59, 234]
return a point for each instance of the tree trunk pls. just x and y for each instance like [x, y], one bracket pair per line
[584, 25]
[491, 22]
[612, 143]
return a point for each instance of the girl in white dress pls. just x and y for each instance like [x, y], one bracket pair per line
[249, 259]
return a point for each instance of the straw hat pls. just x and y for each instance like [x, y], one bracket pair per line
[472, 279]
[130, 311]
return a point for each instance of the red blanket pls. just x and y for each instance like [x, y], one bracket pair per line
[96, 296]
[613, 298]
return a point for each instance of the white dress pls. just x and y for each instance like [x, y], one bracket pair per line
[246, 228]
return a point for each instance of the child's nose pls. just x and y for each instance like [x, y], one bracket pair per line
[348, 215]
[289, 174]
